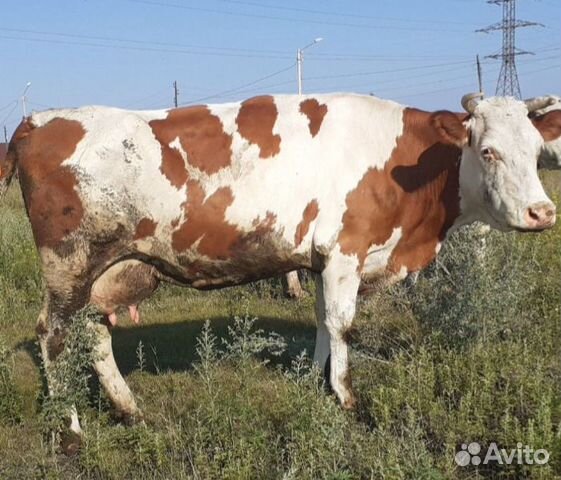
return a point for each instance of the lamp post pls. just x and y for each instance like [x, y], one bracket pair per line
[23, 99]
[293, 286]
[299, 61]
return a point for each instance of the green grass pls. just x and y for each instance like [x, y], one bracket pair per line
[471, 353]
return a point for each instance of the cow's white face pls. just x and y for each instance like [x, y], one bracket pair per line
[499, 181]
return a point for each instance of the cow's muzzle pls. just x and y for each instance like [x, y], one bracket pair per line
[539, 216]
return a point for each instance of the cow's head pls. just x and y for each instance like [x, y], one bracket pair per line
[545, 113]
[499, 182]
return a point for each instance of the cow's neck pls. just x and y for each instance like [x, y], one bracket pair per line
[414, 202]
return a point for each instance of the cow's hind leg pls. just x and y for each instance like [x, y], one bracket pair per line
[293, 285]
[51, 330]
[110, 377]
[74, 434]
[339, 281]
[321, 351]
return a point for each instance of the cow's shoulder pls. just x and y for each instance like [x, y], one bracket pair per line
[408, 199]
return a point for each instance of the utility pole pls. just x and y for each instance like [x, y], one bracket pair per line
[300, 60]
[508, 84]
[479, 75]
[5, 135]
[175, 93]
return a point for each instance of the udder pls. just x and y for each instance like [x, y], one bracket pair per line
[125, 284]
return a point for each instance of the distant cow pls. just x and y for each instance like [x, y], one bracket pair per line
[352, 188]
[545, 113]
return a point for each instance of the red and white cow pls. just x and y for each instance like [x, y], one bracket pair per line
[351, 187]
[545, 113]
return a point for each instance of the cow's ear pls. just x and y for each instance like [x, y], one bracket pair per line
[549, 125]
[450, 128]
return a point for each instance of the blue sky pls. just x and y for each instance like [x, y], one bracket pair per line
[128, 52]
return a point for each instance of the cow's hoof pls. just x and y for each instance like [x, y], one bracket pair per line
[131, 419]
[295, 293]
[70, 442]
[346, 397]
[350, 402]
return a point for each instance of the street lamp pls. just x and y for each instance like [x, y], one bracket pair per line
[23, 99]
[294, 289]
[300, 59]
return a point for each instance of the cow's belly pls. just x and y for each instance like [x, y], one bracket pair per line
[203, 272]
[244, 261]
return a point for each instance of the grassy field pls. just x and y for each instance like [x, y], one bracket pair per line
[471, 353]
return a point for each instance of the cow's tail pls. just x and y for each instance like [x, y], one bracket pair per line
[7, 170]
[9, 164]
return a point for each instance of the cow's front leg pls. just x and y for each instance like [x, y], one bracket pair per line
[322, 349]
[339, 285]
[110, 377]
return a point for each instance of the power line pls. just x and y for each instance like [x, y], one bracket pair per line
[243, 89]
[10, 113]
[371, 85]
[267, 87]
[405, 69]
[440, 90]
[140, 42]
[468, 85]
[159, 93]
[552, 67]
[339, 14]
[409, 78]
[392, 80]
[289, 19]
[219, 49]
[232, 90]
[387, 58]
[8, 105]
[142, 49]
[216, 51]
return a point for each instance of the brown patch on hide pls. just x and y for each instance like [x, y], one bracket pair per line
[256, 121]
[417, 190]
[308, 216]
[315, 113]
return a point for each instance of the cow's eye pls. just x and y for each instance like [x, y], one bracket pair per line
[489, 154]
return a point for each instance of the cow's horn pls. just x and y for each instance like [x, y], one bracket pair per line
[537, 103]
[470, 101]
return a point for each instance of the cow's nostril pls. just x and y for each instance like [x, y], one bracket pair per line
[534, 215]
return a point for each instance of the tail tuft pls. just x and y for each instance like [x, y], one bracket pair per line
[7, 169]
[9, 163]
